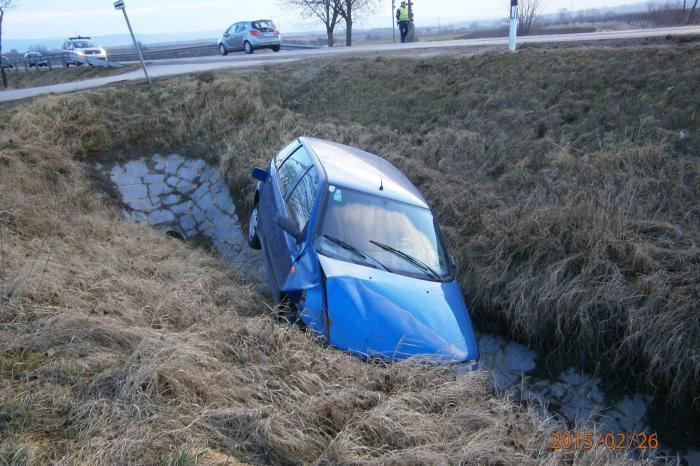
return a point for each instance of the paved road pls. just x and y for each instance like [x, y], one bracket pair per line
[171, 67]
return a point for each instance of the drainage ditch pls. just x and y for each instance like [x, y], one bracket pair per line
[187, 199]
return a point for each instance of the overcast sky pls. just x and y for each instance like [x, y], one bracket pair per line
[55, 18]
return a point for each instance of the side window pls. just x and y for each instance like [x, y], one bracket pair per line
[240, 27]
[301, 201]
[232, 29]
[292, 168]
[284, 153]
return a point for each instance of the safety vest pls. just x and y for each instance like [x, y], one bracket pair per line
[403, 13]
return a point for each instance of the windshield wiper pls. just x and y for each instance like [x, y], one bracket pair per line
[408, 258]
[354, 250]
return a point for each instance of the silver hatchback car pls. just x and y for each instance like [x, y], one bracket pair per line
[249, 36]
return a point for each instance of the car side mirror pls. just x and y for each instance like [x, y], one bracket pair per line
[260, 174]
[291, 228]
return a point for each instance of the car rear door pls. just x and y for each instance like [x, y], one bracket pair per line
[228, 38]
[238, 36]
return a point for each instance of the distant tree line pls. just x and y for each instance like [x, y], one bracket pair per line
[671, 13]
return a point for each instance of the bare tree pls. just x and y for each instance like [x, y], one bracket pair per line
[328, 11]
[529, 15]
[351, 10]
[692, 12]
[4, 5]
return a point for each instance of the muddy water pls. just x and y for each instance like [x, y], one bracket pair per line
[188, 199]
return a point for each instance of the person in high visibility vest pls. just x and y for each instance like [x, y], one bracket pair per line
[402, 20]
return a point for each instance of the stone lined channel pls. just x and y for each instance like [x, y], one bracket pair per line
[188, 199]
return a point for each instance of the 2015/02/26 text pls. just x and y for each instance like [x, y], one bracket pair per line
[608, 440]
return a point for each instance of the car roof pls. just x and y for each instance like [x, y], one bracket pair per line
[356, 169]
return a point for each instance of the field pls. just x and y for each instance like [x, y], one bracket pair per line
[567, 183]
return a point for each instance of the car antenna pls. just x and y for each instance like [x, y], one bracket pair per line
[381, 181]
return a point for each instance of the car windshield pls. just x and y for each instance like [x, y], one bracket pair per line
[83, 44]
[392, 235]
[264, 26]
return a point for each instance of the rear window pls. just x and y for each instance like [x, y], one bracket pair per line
[264, 26]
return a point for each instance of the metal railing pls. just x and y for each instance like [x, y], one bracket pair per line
[201, 50]
[49, 62]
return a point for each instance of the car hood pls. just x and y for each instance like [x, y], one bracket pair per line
[380, 314]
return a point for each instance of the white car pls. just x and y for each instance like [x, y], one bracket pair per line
[75, 49]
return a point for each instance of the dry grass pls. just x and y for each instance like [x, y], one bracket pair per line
[44, 77]
[570, 198]
[121, 346]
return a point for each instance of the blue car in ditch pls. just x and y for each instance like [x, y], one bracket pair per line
[351, 244]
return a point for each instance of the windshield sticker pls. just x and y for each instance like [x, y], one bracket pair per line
[338, 196]
[331, 188]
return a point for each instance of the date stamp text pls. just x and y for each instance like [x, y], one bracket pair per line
[607, 440]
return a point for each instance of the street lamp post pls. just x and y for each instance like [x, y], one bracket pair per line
[513, 25]
[119, 5]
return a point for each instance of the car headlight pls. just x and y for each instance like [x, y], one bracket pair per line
[103, 51]
[80, 52]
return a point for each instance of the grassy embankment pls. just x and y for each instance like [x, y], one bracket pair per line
[569, 201]
[569, 186]
[43, 77]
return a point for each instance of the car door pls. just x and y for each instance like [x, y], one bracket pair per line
[280, 247]
[238, 34]
[300, 204]
[68, 51]
[269, 193]
[228, 37]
